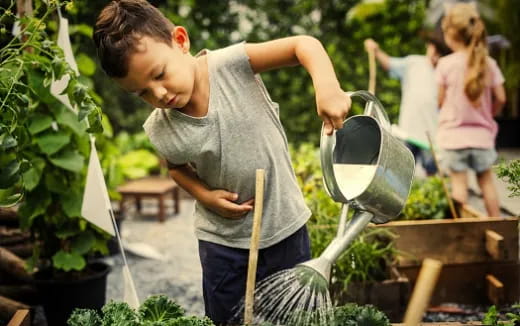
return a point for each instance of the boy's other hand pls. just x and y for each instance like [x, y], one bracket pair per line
[223, 203]
[333, 107]
[371, 45]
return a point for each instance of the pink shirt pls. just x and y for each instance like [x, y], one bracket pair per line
[462, 125]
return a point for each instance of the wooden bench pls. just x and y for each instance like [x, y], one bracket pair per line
[155, 187]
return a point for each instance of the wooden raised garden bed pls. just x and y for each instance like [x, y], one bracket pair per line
[390, 296]
[480, 256]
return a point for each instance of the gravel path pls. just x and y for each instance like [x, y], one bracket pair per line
[179, 275]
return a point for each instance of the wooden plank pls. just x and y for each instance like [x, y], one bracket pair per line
[9, 307]
[495, 245]
[495, 289]
[466, 283]
[452, 241]
[22, 317]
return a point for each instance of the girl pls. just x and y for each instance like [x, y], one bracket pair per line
[471, 93]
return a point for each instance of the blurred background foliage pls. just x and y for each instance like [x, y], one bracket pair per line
[341, 25]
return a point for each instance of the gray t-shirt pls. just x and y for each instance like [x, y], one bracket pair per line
[242, 132]
[419, 110]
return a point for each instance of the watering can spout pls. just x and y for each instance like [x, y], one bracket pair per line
[323, 264]
[320, 265]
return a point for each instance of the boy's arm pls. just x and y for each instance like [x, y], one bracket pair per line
[381, 56]
[219, 201]
[332, 102]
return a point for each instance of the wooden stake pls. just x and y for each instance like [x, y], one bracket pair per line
[372, 72]
[444, 186]
[253, 251]
[9, 307]
[22, 317]
[422, 292]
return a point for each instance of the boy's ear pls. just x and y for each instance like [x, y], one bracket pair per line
[180, 37]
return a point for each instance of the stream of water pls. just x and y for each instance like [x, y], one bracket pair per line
[293, 297]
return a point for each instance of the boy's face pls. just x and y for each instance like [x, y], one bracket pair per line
[161, 74]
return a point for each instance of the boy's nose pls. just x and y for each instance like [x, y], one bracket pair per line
[159, 92]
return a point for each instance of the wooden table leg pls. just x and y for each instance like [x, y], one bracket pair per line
[138, 204]
[122, 205]
[161, 208]
[175, 193]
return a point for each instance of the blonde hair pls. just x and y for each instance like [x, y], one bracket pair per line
[467, 27]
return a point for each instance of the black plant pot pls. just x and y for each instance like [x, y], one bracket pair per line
[61, 296]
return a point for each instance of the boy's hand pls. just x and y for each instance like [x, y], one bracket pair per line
[371, 45]
[222, 203]
[333, 106]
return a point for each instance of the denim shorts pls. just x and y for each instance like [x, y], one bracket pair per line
[477, 159]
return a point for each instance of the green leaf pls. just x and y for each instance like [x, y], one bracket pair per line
[52, 142]
[71, 203]
[56, 183]
[35, 204]
[86, 65]
[100, 246]
[84, 317]
[67, 232]
[8, 142]
[32, 176]
[69, 160]
[10, 197]
[68, 118]
[68, 261]
[83, 243]
[9, 175]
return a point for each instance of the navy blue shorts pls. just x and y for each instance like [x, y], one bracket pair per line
[224, 271]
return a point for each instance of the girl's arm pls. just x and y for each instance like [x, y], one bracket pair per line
[332, 102]
[220, 201]
[441, 95]
[499, 99]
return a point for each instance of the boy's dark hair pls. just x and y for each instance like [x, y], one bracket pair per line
[119, 27]
[437, 40]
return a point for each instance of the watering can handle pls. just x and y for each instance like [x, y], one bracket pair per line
[373, 107]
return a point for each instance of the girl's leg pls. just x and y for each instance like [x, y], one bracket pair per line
[487, 186]
[459, 186]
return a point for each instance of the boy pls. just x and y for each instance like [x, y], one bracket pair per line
[419, 109]
[215, 124]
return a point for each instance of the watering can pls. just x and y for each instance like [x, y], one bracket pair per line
[366, 168]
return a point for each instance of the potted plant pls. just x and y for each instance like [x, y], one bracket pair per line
[44, 148]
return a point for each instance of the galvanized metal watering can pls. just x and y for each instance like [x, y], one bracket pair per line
[366, 168]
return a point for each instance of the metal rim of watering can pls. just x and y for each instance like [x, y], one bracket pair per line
[373, 109]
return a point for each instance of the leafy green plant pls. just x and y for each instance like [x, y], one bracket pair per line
[157, 310]
[44, 145]
[491, 316]
[427, 200]
[510, 173]
[353, 315]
